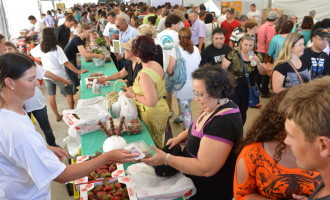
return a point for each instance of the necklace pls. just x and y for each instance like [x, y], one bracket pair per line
[220, 102]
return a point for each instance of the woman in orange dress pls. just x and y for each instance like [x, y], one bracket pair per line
[266, 167]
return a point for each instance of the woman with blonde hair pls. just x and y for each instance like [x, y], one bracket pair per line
[289, 69]
[254, 64]
[78, 45]
[192, 57]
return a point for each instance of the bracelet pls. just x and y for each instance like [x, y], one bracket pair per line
[166, 158]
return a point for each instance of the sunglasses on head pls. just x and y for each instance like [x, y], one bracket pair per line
[249, 36]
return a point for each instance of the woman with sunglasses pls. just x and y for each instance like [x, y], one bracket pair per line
[211, 140]
[254, 64]
[289, 69]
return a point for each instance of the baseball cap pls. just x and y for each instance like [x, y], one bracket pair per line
[230, 10]
[128, 45]
[272, 15]
[243, 17]
[322, 32]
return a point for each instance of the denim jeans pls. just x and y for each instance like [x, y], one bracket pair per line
[42, 118]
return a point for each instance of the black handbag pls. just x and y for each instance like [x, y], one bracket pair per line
[166, 170]
[254, 92]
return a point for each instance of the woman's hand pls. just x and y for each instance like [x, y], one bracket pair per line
[101, 80]
[157, 159]
[129, 92]
[101, 56]
[66, 82]
[121, 155]
[82, 71]
[60, 153]
[256, 58]
[173, 142]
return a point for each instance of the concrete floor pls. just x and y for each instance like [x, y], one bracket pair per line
[60, 130]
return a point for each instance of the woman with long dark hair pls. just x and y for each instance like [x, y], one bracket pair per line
[266, 167]
[54, 60]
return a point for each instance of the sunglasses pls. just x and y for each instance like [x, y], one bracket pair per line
[249, 36]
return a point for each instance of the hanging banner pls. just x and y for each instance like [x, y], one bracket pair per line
[60, 6]
[237, 5]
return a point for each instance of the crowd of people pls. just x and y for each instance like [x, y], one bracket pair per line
[285, 153]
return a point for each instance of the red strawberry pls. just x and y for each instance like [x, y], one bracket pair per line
[90, 195]
[97, 189]
[116, 198]
[107, 188]
[119, 192]
[104, 167]
[107, 197]
[118, 185]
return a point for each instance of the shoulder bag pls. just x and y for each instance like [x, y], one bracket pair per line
[179, 76]
[295, 70]
[254, 92]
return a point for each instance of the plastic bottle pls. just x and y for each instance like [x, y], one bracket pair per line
[253, 62]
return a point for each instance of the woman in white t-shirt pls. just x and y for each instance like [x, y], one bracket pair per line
[192, 59]
[54, 59]
[28, 165]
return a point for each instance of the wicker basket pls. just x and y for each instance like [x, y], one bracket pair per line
[113, 96]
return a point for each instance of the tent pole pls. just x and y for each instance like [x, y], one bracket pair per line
[270, 4]
[40, 7]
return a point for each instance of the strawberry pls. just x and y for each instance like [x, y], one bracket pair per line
[98, 189]
[113, 191]
[104, 167]
[118, 185]
[116, 198]
[107, 188]
[107, 197]
[90, 195]
[119, 192]
[105, 175]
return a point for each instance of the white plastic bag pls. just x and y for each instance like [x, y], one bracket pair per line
[148, 186]
[85, 119]
[101, 101]
[116, 107]
[128, 108]
[98, 62]
[73, 142]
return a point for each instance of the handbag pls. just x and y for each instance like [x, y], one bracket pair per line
[179, 76]
[254, 92]
[295, 70]
[166, 170]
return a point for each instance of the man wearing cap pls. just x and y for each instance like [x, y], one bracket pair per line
[229, 24]
[198, 30]
[62, 32]
[265, 34]
[318, 61]
[254, 13]
[215, 52]
[238, 32]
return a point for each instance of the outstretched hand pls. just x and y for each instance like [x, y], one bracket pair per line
[121, 155]
[157, 159]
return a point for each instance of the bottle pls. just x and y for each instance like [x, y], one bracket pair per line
[253, 62]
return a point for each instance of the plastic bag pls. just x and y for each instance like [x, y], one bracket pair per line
[73, 142]
[98, 62]
[128, 107]
[99, 100]
[116, 107]
[147, 185]
[85, 119]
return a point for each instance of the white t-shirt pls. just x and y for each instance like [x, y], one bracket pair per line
[37, 27]
[167, 39]
[221, 19]
[74, 30]
[61, 21]
[52, 61]
[27, 166]
[192, 63]
[37, 102]
[109, 27]
[255, 14]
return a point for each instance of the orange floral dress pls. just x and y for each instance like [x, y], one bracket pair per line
[270, 180]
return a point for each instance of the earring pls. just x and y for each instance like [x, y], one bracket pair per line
[218, 100]
[138, 61]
